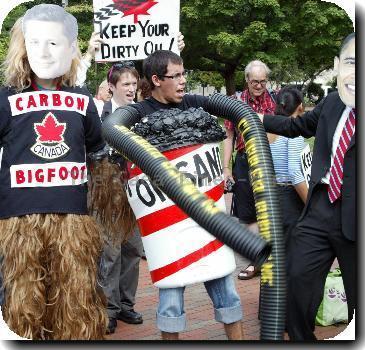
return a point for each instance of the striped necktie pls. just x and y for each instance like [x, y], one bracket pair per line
[336, 172]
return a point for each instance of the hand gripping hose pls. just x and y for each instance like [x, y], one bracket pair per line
[273, 278]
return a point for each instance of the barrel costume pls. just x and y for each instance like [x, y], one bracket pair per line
[190, 254]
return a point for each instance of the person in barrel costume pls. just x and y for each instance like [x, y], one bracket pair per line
[165, 73]
[50, 245]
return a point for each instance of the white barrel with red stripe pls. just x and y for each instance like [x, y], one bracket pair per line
[179, 252]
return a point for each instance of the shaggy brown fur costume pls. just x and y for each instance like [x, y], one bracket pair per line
[108, 201]
[50, 277]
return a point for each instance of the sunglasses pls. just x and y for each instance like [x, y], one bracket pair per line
[119, 66]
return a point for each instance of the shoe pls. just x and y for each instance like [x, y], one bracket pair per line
[130, 316]
[112, 325]
[247, 274]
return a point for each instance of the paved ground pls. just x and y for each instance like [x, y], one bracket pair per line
[200, 320]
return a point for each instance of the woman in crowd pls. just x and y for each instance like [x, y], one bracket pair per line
[286, 154]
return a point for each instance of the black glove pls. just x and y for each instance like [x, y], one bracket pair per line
[99, 155]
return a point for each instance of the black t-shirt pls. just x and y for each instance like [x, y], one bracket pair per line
[44, 137]
[150, 104]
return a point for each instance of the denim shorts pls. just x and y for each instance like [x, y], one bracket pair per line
[171, 316]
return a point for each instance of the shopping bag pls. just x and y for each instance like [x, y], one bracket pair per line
[333, 308]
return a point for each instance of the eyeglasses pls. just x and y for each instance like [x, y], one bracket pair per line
[176, 77]
[257, 82]
[121, 65]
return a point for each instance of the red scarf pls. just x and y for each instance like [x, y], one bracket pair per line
[262, 104]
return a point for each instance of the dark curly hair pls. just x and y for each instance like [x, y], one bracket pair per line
[144, 87]
[288, 99]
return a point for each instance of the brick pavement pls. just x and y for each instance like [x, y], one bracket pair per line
[200, 318]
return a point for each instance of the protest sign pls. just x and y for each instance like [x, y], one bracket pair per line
[306, 162]
[133, 29]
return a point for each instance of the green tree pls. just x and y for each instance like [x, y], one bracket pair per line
[317, 30]
[222, 35]
[204, 78]
[299, 37]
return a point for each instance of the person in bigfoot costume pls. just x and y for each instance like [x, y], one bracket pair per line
[50, 245]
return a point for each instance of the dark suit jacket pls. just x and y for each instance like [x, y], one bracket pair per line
[321, 122]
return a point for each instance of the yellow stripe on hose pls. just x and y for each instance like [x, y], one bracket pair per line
[257, 173]
[243, 126]
[208, 205]
[263, 222]
[257, 181]
[267, 273]
[250, 147]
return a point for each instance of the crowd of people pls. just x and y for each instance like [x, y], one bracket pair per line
[63, 274]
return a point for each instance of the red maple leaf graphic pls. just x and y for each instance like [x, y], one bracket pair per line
[134, 7]
[50, 130]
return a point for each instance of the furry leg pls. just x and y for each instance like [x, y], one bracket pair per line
[24, 275]
[77, 307]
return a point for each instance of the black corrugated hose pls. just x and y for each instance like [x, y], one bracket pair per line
[273, 280]
[203, 210]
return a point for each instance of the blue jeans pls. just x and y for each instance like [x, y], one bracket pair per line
[171, 316]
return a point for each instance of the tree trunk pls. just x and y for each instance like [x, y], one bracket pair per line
[228, 76]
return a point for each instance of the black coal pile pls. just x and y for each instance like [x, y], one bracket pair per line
[173, 128]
